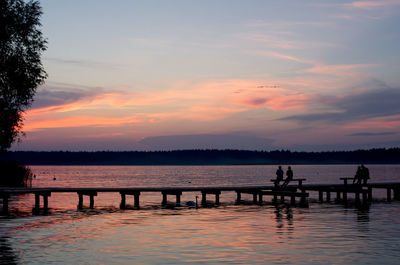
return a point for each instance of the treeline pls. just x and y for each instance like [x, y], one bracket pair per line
[206, 157]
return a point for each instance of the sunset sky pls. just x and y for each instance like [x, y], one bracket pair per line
[255, 75]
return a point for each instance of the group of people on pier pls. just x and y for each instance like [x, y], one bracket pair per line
[279, 176]
[362, 175]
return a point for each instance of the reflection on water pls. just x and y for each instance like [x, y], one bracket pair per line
[321, 234]
[229, 234]
[7, 255]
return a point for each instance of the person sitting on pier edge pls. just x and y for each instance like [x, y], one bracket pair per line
[364, 174]
[358, 177]
[289, 177]
[279, 176]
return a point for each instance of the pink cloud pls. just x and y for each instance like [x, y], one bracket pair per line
[278, 55]
[273, 41]
[344, 69]
[76, 121]
[385, 123]
[198, 101]
[373, 4]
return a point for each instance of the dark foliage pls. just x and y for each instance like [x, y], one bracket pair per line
[21, 70]
[208, 157]
[14, 174]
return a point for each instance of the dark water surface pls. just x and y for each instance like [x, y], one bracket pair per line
[229, 234]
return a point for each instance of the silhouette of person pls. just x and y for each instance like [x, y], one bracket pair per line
[358, 176]
[279, 175]
[364, 174]
[289, 177]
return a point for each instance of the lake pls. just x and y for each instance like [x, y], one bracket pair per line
[324, 233]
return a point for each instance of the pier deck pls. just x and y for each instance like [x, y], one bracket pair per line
[291, 191]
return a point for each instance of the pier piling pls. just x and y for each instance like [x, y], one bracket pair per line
[177, 193]
[389, 194]
[396, 192]
[91, 195]
[5, 197]
[45, 195]
[136, 196]
[204, 196]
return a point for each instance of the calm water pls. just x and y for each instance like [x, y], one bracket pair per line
[229, 234]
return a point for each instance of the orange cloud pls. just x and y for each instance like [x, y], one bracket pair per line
[185, 101]
[374, 4]
[337, 69]
[77, 121]
[387, 123]
[280, 56]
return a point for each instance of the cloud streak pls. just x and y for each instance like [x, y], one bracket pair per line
[373, 4]
[372, 134]
[356, 107]
[204, 101]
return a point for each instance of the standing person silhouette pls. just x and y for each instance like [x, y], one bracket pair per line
[279, 176]
[289, 177]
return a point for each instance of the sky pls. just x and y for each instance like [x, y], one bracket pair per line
[256, 75]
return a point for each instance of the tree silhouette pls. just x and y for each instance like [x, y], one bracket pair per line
[21, 70]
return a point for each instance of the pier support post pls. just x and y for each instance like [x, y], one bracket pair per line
[164, 199]
[328, 196]
[37, 201]
[123, 201]
[369, 194]
[91, 205]
[255, 198]
[396, 192]
[91, 194]
[345, 197]
[80, 201]
[338, 196]
[5, 197]
[357, 195]
[275, 199]
[365, 197]
[45, 202]
[45, 196]
[260, 198]
[389, 194]
[178, 198]
[303, 199]
[293, 200]
[203, 198]
[321, 195]
[217, 198]
[238, 197]
[136, 200]
[165, 193]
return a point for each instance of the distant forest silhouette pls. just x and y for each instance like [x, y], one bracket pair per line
[206, 157]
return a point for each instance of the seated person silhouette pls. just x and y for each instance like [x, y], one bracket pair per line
[362, 175]
[279, 176]
[289, 177]
[358, 176]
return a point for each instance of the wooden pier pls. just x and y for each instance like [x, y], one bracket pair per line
[362, 193]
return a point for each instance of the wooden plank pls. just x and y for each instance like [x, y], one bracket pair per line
[285, 193]
[183, 189]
